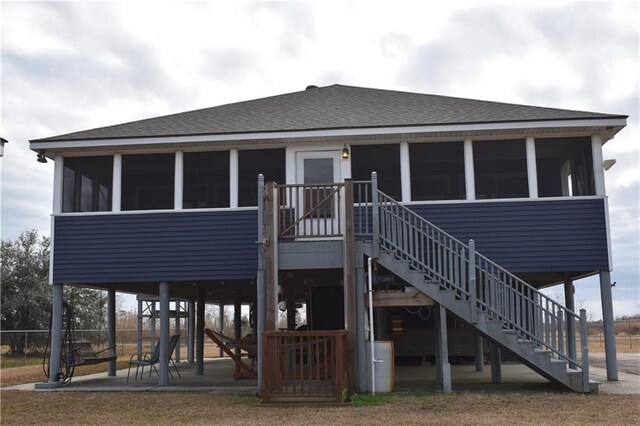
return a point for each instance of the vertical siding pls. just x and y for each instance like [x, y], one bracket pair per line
[529, 236]
[172, 246]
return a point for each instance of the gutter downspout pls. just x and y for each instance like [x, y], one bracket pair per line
[371, 333]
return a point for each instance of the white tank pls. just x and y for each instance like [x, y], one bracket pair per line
[384, 370]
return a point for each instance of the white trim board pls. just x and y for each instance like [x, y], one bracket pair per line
[158, 211]
[409, 203]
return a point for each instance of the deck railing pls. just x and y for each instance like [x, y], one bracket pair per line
[304, 366]
[310, 211]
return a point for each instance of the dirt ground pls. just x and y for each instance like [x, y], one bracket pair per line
[71, 408]
[479, 408]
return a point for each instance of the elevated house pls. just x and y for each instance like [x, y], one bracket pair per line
[459, 209]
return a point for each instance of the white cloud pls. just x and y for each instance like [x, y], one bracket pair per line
[76, 65]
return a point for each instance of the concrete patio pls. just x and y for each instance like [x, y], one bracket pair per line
[218, 379]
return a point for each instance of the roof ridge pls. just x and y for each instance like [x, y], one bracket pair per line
[472, 99]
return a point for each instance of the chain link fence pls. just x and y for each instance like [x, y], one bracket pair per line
[627, 335]
[30, 345]
[27, 347]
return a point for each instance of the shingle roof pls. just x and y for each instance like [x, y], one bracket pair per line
[331, 107]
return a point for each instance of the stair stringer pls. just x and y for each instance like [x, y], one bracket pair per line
[541, 361]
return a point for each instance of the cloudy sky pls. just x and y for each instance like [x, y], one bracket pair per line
[70, 66]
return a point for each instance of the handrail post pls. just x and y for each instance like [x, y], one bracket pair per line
[561, 333]
[375, 212]
[584, 340]
[473, 309]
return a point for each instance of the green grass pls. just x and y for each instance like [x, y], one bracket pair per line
[367, 399]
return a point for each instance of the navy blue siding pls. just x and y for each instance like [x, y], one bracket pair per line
[180, 246]
[529, 236]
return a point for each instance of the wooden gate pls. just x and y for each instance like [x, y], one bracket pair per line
[303, 366]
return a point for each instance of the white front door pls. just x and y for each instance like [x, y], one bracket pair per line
[319, 204]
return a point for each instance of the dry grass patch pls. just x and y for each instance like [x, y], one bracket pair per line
[202, 408]
[624, 343]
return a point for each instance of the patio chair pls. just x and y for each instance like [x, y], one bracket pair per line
[173, 342]
[151, 359]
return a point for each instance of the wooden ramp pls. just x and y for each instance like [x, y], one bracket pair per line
[243, 371]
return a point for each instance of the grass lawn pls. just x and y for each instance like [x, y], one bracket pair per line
[86, 408]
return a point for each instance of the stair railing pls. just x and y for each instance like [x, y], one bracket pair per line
[488, 287]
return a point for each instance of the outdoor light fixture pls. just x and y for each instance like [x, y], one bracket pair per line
[607, 164]
[345, 152]
[41, 157]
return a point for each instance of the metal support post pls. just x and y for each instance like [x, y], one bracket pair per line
[608, 325]
[164, 334]
[176, 357]
[443, 368]
[479, 352]
[191, 335]
[584, 341]
[111, 330]
[152, 319]
[237, 321]
[221, 325]
[496, 363]
[56, 334]
[139, 331]
[571, 322]
[200, 334]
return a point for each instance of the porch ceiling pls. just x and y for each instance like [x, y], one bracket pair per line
[216, 292]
